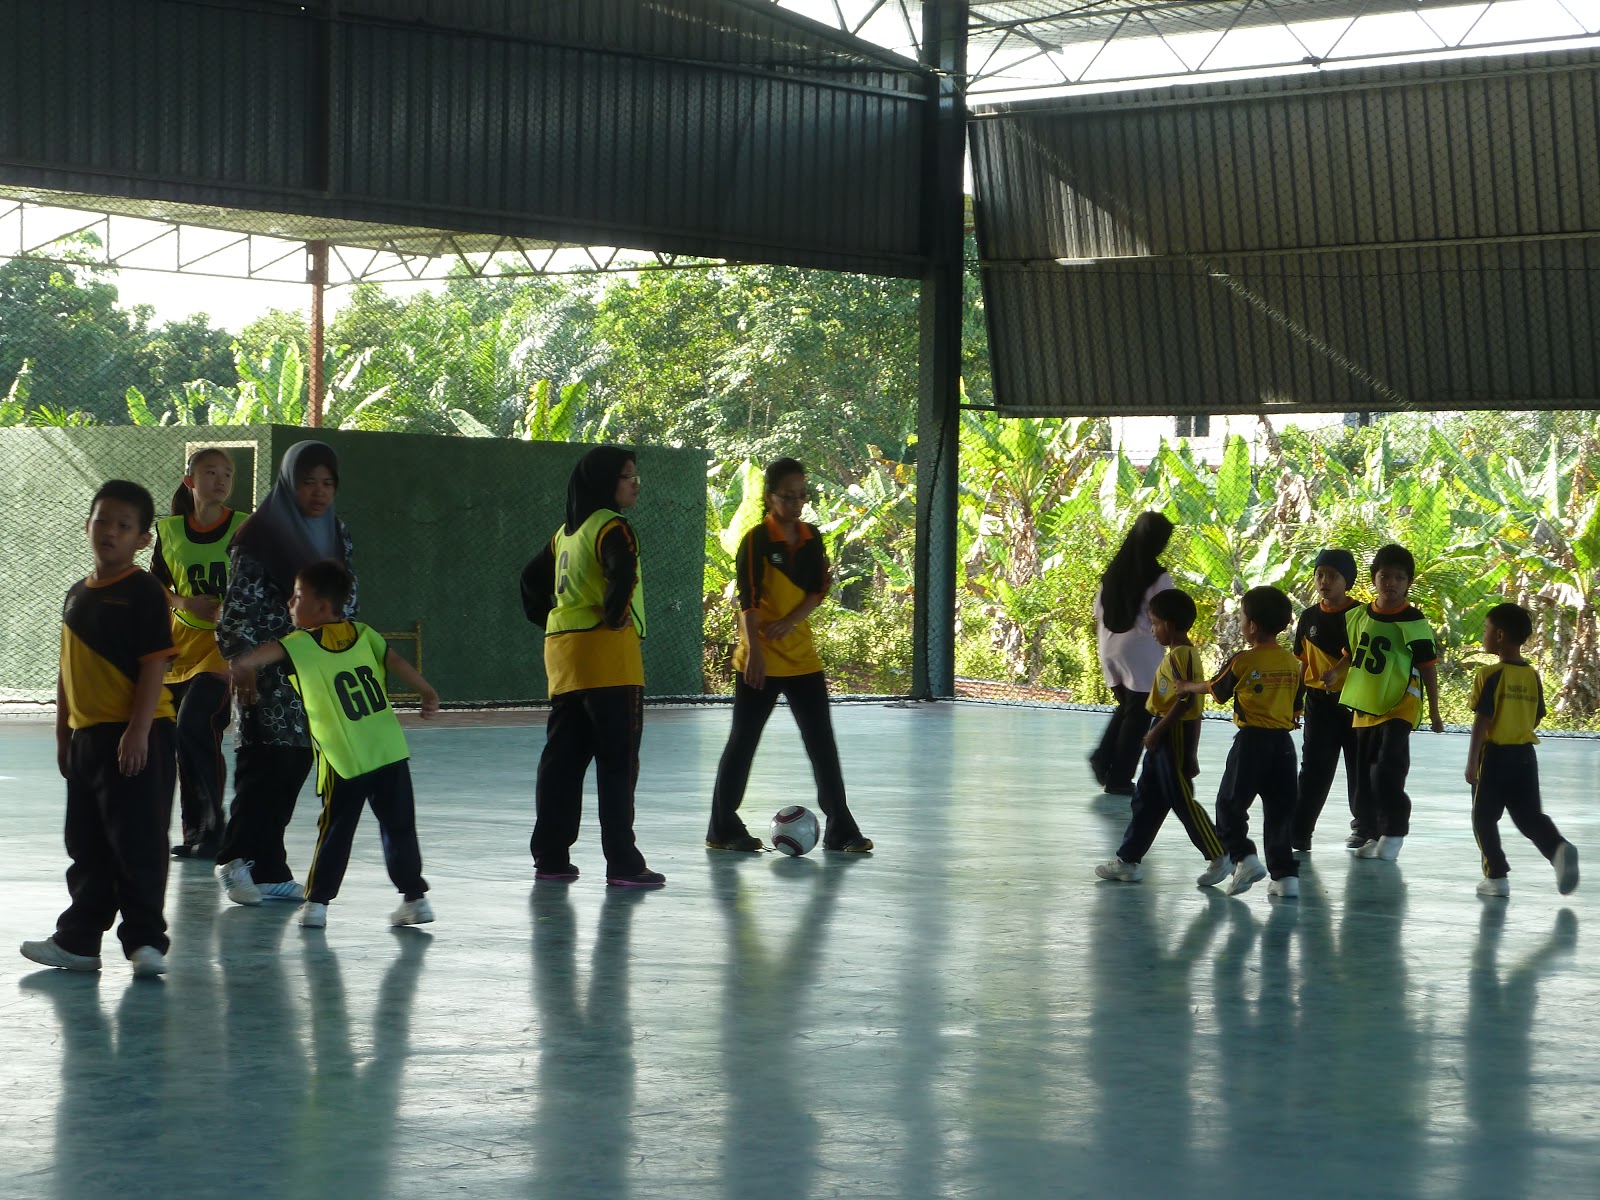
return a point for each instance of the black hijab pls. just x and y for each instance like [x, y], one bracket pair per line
[1134, 568]
[593, 485]
[281, 537]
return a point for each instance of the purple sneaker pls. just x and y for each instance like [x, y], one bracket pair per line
[644, 879]
[563, 873]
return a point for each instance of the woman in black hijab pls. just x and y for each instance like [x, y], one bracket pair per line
[295, 526]
[585, 590]
[1129, 652]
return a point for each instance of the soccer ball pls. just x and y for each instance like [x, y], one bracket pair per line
[794, 830]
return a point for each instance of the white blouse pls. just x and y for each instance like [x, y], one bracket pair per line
[1130, 659]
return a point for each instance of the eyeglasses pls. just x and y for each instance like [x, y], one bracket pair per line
[793, 497]
[627, 479]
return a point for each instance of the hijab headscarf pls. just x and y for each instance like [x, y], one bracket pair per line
[1134, 568]
[593, 485]
[282, 537]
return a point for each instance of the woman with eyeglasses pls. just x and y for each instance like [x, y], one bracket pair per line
[783, 575]
[584, 589]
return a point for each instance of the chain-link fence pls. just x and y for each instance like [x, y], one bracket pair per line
[510, 376]
[1493, 508]
[710, 373]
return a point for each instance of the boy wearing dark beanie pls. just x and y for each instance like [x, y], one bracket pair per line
[1320, 642]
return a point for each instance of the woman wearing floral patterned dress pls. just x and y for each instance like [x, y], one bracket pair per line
[295, 526]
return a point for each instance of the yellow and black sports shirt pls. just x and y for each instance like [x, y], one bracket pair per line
[1179, 663]
[774, 576]
[1511, 695]
[108, 631]
[1321, 641]
[1264, 684]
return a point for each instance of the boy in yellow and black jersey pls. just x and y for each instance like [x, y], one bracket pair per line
[1263, 684]
[1502, 766]
[1321, 643]
[1166, 781]
[114, 745]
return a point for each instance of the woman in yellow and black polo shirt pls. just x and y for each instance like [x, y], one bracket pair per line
[190, 560]
[783, 576]
[584, 588]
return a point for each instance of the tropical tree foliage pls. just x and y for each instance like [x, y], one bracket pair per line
[754, 362]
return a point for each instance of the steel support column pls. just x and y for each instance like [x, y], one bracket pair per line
[944, 52]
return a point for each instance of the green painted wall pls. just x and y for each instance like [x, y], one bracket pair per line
[442, 528]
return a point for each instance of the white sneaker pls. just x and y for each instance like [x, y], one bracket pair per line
[148, 962]
[313, 915]
[237, 882]
[47, 954]
[1494, 887]
[1288, 887]
[1117, 869]
[287, 890]
[412, 912]
[1216, 872]
[1566, 865]
[1246, 872]
[1389, 848]
[1369, 849]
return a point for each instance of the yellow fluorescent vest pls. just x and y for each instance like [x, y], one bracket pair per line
[1381, 668]
[197, 568]
[581, 579]
[342, 685]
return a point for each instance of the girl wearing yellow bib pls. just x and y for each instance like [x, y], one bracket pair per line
[190, 560]
[584, 589]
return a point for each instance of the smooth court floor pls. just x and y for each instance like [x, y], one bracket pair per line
[966, 1012]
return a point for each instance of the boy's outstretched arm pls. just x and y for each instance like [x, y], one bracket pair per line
[1430, 685]
[242, 670]
[396, 665]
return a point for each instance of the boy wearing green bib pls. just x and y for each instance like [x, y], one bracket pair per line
[1391, 663]
[340, 669]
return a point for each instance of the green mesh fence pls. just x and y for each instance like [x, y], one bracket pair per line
[442, 528]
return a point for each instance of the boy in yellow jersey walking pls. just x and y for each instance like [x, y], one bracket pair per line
[340, 669]
[114, 745]
[1320, 642]
[1502, 766]
[1392, 662]
[1263, 683]
[1166, 781]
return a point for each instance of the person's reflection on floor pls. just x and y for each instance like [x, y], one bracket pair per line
[1381, 1067]
[264, 1066]
[1141, 1035]
[1499, 1159]
[772, 1139]
[583, 1138]
[347, 1140]
[110, 1127]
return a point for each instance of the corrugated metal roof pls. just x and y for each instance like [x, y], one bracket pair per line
[717, 128]
[1059, 23]
[1424, 236]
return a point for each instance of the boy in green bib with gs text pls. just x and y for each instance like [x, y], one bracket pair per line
[1391, 660]
[340, 668]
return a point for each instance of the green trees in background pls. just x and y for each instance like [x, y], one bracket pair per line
[754, 362]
